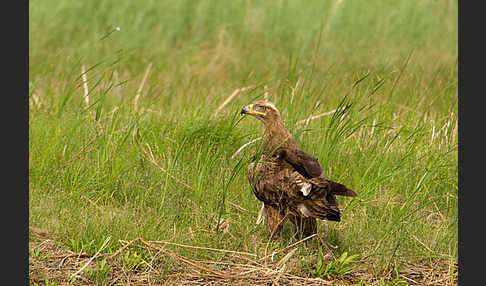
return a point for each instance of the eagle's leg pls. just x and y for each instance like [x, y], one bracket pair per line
[274, 219]
[304, 227]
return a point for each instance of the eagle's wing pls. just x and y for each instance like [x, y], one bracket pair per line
[309, 167]
[304, 163]
[278, 184]
[308, 197]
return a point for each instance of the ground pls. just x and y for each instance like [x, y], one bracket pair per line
[51, 262]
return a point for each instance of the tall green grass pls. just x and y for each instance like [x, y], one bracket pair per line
[389, 68]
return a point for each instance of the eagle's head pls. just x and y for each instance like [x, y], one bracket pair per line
[264, 110]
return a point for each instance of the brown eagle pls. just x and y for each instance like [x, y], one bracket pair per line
[290, 182]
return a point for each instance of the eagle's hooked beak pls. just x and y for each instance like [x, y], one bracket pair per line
[249, 110]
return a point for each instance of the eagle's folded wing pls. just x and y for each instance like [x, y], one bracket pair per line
[304, 163]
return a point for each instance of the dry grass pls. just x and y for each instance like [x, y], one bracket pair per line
[55, 262]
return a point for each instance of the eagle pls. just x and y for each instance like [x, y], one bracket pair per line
[290, 182]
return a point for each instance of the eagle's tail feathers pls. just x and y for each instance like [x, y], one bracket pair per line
[333, 216]
[341, 190]
[333, 213]
[324, 211]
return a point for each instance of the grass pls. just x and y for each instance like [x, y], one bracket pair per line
[387, 68]
[338, 267]
[98, 273]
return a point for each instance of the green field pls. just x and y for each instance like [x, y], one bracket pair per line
[388, 70]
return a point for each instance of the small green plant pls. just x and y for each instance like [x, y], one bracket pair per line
[362, 282]
[394, 282]
[339, 267]
[398, 282]
[37, 254]
[79, 246]
[99, 272]
[132, 260]
[72, 279]
[47, 283]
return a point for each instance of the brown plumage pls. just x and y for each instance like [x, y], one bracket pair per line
[290, 182]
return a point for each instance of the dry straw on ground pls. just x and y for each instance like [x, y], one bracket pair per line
[53, 261]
